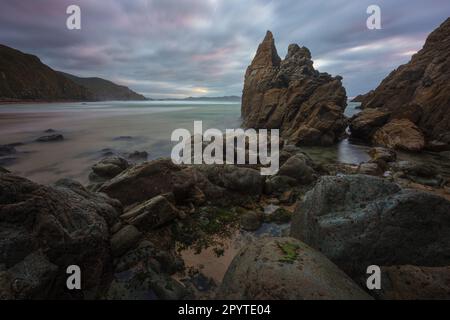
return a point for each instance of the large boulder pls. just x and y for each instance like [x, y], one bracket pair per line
[285, 269]
[419, 90]
[400, 134]
[422, 173]
[235, 179]
[43, 230]
[30, 278]
[414, 283]
[124, 239]
[297, 167]
[218, 183]
[358, 221]
[290, 95]
[145, 181]
[108, 168]
[364, 124]
[151, 214]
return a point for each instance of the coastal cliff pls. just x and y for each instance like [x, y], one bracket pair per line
[23, 77]
[412, 101]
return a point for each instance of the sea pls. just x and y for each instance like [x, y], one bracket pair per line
[93, 130]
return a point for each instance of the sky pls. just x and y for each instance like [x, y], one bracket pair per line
[167, 48]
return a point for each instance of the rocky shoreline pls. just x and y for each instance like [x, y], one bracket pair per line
[126, 233]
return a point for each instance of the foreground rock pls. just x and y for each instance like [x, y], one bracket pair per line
[358, 221]
[366, 123]
[108, 168]
[138, 156]
[285, 269]
[251, 221]
[414, 283]
[306, 105]
[124, 239]
[144, 274]
[400, 134]
[151, 214]
[382, 154]
[418, 91]
[6, 150]
[297, 167]
[422, 173]
[221, 184]
[143, 182]
[44, 230]
[51, 138]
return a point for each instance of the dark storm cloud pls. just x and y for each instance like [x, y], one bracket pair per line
[168, 48]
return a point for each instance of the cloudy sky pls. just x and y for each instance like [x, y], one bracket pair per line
[168, 48]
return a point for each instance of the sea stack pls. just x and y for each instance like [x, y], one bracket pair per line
[306, 105]
[414, 100]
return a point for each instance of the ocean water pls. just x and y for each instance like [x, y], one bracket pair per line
[92, 129]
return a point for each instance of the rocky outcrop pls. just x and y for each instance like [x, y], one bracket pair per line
[43, 230]
[418, 91]
[285, 269]
[306, 105]
[358, 221]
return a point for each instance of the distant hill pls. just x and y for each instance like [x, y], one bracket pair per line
[224, 98]
[105, 90]
[23, 77]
